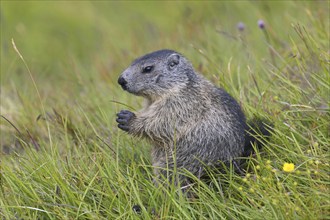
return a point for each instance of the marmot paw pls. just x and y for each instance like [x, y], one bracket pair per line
[123, 118]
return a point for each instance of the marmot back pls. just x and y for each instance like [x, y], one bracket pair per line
[190, 122]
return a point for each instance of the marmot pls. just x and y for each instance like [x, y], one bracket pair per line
[190, 122]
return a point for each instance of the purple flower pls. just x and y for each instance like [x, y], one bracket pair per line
[240, 26]
[261, 24]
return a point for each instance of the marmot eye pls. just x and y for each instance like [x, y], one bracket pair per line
[172, 64]
[147, 69]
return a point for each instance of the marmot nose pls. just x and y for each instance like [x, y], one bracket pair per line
[122, 82]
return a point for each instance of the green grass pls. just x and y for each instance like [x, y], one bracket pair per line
[62, 156]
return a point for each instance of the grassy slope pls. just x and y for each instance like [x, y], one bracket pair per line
[72, 162]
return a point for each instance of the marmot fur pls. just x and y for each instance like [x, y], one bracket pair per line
[190, 122]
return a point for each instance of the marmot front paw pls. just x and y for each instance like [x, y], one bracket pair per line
[123, 118]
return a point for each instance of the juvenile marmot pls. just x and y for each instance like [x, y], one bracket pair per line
[190, 122]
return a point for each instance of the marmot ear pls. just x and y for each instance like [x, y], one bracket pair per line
[172, 61]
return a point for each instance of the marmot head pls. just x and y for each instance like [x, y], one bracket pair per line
[157, 73]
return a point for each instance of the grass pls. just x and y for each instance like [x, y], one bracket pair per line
[62, 156]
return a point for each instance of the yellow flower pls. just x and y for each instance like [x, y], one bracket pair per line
[288, 167]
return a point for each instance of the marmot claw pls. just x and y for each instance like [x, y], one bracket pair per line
[123, 118]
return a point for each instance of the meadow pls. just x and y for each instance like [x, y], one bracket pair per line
[62, 155]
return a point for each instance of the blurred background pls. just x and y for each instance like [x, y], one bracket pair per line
[54, 35]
